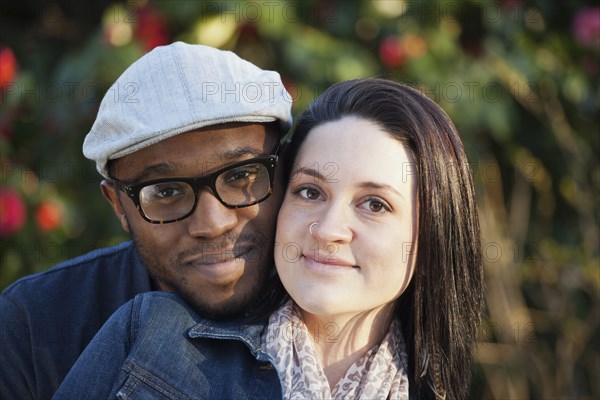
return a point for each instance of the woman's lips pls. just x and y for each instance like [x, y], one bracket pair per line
[328, 262]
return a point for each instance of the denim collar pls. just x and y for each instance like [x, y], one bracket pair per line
[248, 332]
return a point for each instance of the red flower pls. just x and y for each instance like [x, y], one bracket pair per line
[391, 52]
[12, 211]
[8, 66]
[510, 4]
[249, 32]
[48, 216]
[151, 28]
[6, 126]
[586, 27]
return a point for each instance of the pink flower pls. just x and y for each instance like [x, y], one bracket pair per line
[391, 52]
[586, 27]
[12, 211]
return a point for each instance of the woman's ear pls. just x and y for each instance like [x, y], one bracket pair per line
[109, 191]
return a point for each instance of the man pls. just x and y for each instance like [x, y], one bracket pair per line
[186, 141]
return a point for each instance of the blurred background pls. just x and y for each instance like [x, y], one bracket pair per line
[518, 78]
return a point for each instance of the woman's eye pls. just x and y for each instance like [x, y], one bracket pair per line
[375, 206]
[308, 193]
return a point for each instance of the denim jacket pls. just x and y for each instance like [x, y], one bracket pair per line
[47, 319]
[139, 354]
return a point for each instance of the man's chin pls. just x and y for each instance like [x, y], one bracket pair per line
[217, 310]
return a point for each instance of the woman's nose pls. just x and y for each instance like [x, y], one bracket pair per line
[333, 226]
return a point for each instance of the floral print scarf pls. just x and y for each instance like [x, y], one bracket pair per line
[379, 374]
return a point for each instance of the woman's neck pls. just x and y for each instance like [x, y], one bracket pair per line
[341, 340]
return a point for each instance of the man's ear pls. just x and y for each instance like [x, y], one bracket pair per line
[109, 191]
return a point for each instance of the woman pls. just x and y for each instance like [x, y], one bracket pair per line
[378, 247]
[386, 137]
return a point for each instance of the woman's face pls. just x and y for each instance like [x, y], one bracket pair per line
[358, 185]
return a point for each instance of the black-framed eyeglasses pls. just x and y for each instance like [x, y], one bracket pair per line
[243, 184]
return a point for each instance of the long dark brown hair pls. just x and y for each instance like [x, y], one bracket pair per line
[440, 310]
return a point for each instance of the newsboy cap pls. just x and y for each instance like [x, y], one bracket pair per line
[179, 88]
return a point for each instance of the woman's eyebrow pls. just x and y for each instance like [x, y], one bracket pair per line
[377, 185]
[309, 171]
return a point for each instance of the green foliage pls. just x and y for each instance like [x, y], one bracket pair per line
[519, 79]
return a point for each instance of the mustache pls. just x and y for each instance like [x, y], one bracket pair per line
[229, 244]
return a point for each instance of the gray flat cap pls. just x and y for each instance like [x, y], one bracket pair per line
[179, 88]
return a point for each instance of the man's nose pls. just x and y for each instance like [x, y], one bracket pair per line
[211, 218]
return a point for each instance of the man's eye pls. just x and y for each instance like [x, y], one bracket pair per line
[167, 191]
[246, 174]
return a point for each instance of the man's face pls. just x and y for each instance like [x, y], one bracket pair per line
[218, 258]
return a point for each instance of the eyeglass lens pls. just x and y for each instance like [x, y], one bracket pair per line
[240, 186]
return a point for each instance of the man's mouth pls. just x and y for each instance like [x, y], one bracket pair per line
[223, 256]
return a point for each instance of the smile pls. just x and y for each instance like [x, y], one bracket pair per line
[223, 267]
[328, 264]
[224, 256]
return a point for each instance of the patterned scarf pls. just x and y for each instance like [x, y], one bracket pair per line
[379, 374]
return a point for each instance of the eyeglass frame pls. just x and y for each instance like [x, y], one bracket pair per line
[133, 189]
